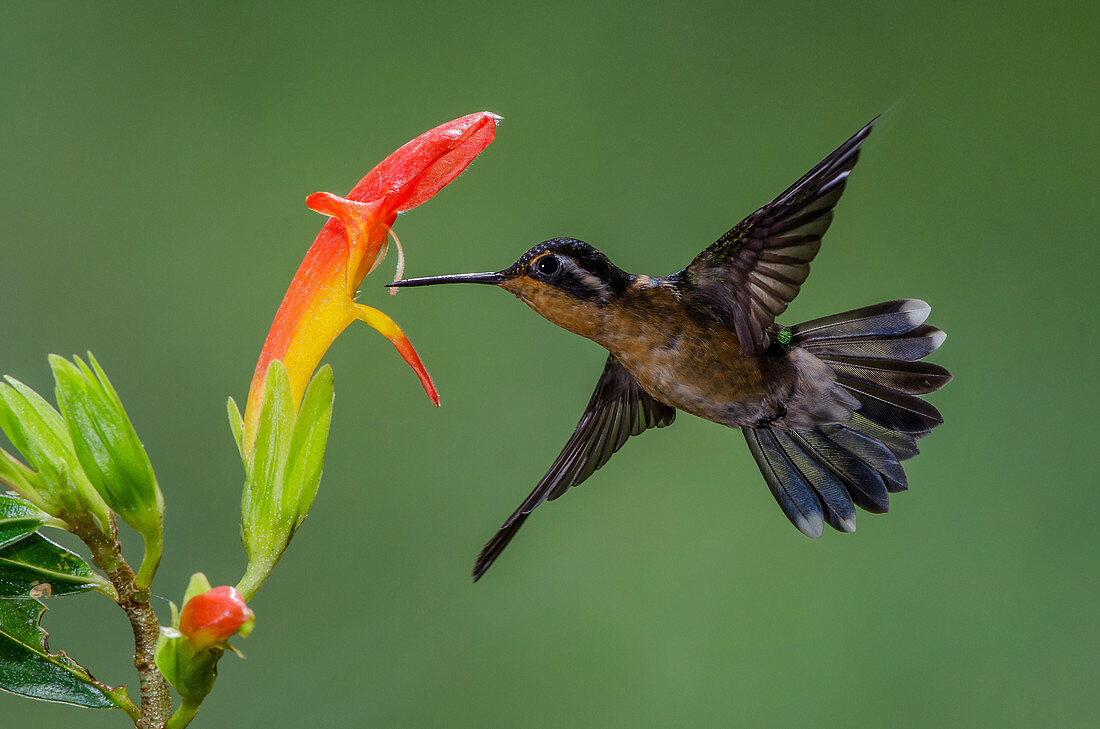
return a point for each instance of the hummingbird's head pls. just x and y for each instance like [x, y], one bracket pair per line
[565, 280]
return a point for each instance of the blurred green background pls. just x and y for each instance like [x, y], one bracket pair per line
[154, 167]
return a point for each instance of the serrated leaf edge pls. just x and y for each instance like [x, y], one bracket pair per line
[60, 660]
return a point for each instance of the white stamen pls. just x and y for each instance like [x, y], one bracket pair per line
[400, 273]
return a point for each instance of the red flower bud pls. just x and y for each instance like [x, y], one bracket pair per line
[215, 616]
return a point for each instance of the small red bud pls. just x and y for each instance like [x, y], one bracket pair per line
[214, 616]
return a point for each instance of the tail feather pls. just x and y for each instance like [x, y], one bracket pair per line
[864, 483]
[892, 409]
[880, 320]
[875, 454]
[907, 347]
[902, 445]
[818, 474]
[914, 378]
[793, 492]
[840, 510]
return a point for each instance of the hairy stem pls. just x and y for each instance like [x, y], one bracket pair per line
[156, 705]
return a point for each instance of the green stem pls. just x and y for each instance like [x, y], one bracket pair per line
[154, 543]
[122, 700]
[183, 716]
[254, 577]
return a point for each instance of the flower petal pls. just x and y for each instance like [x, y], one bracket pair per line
[392, 332]
[359, 219]
[422, 167]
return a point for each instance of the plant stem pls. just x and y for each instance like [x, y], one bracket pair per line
[122, 701]
[254, 577]
[183, 715]
[154, 543]
[106, 551]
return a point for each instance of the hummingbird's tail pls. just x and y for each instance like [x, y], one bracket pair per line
[819, 475]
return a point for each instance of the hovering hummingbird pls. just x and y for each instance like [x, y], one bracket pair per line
[829, 407]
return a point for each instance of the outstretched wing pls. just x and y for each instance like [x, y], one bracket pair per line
[750, 274]
[619, 408]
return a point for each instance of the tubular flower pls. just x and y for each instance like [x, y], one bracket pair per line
[320, 302]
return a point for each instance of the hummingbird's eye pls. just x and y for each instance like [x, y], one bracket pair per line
[548, 265]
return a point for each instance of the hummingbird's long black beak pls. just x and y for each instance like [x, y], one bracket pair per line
[494, 277]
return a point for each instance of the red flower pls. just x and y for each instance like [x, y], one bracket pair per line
[320, 302]
[215, 616]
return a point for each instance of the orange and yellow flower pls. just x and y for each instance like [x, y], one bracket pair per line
[320, 302]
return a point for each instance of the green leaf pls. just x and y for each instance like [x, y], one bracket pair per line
[16, 475]
[190, 672]
[36, 564]
[197, 585]
[41, 435]
[29, 669]
[107, 446]
[30, 429]
[307, 445]
[261, 514]
[51, 423]
[282, 476]
[236, 424]
[18, 518]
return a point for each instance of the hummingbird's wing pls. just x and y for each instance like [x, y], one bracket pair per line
[750, 274]
[619, 408]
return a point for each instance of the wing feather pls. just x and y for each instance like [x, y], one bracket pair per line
[749, 275]
[618, 409]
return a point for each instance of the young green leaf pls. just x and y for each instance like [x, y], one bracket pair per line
[236, 424]
[285, 468]
[36, 567]
[262, 515]
[191, 672]
[307, 445]
[18, 518]
[108, 447]
[29, 669]
[16, 476]
[198, 584]
[42, 437]
[51, 421]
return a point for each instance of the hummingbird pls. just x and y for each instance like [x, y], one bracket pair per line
[829, 407]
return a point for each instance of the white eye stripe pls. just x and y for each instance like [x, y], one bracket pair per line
[569, 275]
[590, 281]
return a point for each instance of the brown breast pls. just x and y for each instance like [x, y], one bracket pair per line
[694, 366]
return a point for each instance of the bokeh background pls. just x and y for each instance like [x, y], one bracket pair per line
[154, 165]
